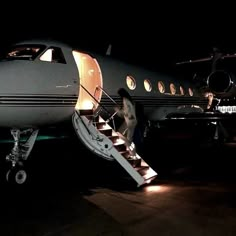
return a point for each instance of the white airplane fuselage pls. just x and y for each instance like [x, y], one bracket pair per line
[45, 83]
[36, 91]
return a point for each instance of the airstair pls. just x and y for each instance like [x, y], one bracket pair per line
[100, 137]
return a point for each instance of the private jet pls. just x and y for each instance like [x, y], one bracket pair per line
[46, 82]
[215, 77]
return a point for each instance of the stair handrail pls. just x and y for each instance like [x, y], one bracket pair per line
[101, 106]
[95, 100]
[112, 116]
[98, 86]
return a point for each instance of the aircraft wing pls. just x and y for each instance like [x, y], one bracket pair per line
[195, 61]
[204, 116]
[229, 56]
[220, 56]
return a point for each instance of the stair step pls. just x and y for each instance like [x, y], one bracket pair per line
[142, 170]
[100, 125]
[149, 179]
[150, 175]
[115, 139]
[107, 132]
[135, 163]
[120, 147]
[125, 154]
[85, 112]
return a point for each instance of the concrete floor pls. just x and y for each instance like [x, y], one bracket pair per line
[70, 192]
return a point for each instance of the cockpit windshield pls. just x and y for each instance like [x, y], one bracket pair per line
[22, 52]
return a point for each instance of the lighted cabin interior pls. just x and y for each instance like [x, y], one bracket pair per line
[90, 80]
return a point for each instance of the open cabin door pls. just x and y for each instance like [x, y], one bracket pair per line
[90, 79]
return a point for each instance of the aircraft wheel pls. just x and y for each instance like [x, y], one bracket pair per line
[16, 176]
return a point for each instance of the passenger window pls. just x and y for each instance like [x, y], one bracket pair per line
[130, 81]
[190, 91]
[147, 85]
[181, 89]
[161, 87]
[172, 89]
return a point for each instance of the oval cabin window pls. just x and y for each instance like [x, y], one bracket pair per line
[190, 91]
[172, 89]
[181, 89]
[130, 81]
[161, 87]
[147, 85]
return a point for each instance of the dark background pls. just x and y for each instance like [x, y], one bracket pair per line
[146, 33]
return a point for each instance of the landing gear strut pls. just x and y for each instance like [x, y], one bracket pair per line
[19, 153]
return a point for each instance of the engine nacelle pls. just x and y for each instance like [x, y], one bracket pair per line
[220, 82]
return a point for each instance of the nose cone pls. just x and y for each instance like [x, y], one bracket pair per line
[12, 74]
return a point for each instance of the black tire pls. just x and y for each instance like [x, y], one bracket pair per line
[16, 175]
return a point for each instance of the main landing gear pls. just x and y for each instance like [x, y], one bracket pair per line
[19, 153]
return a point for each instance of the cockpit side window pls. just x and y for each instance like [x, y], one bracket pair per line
[53, 54]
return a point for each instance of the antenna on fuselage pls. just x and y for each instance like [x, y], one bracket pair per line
[108, 52]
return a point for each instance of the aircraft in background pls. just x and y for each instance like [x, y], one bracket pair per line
[45, 83]
[220, 76]
[216, 79]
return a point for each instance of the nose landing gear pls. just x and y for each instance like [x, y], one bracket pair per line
[19, 153]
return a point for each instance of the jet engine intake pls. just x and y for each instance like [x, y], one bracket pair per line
[219, 82]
